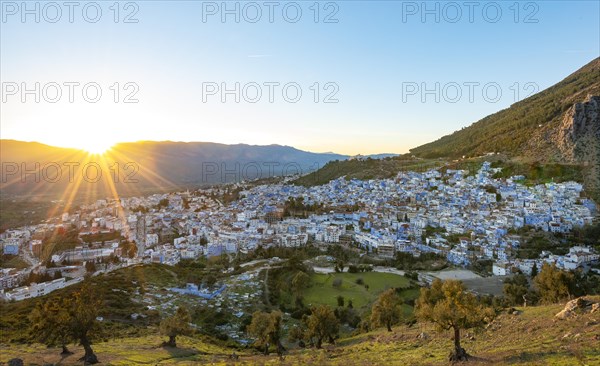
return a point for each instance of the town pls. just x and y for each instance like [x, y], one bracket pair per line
[460, 216]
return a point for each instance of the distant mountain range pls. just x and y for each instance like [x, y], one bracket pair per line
[154, 165]
[558, 125]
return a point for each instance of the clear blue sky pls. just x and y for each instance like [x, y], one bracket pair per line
[373, 49]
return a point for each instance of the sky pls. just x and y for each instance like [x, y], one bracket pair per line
[352, 77]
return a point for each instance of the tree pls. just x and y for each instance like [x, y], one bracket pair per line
[299, 283]
[553, 284]
[210, 280]
[83, 311]
[63, 320]
[387, 310]
[515, 289]
[450, 306]
[60, 321]
[90, 267]
[177, 324]
[321, 324]
[266, 329]
[50, 323]
[534, 270]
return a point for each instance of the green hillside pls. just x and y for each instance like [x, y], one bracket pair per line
[510, 130]
[532, 336]
[366, 169]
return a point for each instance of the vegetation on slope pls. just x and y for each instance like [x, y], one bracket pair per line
[365, 169]
[531, 336]
[509, 130]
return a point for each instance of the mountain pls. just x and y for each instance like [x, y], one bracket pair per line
[140, 166]
[529, 127]
[558, 125]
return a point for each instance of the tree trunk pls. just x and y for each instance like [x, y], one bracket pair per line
[65, 350]
[172, 342]
[319, 342]
[280, 348]
[389, 326]
[89, 358]
[459, 353]
[266, 349]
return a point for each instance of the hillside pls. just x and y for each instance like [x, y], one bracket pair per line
[529, 127]
[531, 337]
[366, 169]
[558, 127]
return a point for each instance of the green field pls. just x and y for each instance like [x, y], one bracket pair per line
[323, 292]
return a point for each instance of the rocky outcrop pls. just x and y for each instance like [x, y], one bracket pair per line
[578, 306]
[579, 133]
[578, 139]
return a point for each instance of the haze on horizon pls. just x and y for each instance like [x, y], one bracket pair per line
[173, 52]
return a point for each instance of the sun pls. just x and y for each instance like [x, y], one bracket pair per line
[97, 147]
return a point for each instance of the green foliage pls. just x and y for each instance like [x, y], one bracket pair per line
[515, 289]
[295, 206]
[62, 320]
[321, 325]
[50, 323]
[448, 305]
[553, 284]
[58, 241]
[300, 282]
[535, 244]
[365, 169]
[509, 130]
[536, 172]
[175, 325]
[12, 261]
[265, 328]
[387, 310]
[425, 262]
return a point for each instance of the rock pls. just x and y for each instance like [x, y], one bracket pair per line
[516, 312]
[423, 336]
[595, 308]
[15, 362]
[576, 306]
[579, 136]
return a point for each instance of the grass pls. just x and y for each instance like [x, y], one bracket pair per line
[323, 292]
[534, 337]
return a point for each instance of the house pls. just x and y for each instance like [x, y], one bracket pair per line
[501, 268]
